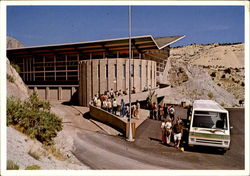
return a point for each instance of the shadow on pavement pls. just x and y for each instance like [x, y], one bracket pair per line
[205, 150]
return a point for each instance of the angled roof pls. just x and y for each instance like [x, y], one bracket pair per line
[162, 42]
[139, 43]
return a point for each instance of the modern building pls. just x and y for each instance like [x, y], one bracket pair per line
[54, 71]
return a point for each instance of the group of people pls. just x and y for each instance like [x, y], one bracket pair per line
[108, 102]
[172, 127]
[162, 111]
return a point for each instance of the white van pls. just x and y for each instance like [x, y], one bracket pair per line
[209, 125]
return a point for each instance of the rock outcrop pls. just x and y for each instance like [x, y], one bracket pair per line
[193, 74]
[15, 87]
[13, 43]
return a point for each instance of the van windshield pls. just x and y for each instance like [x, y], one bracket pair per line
[206, 119]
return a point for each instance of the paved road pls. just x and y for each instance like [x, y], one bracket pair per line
[101, 151]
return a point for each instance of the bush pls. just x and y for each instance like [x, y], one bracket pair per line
[33, 118]
[213, 74]
[242, 84]
[228, 70]
[223, 76]
[11, 165]
[10, 78]
[16, 67]
[33, 167]
[210, 95]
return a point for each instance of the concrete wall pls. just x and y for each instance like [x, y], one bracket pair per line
[54, 92]
[112, 120]
[90, 84]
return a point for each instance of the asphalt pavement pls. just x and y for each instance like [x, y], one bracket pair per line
[102, 151]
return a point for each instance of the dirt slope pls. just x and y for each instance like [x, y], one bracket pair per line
[206, 72]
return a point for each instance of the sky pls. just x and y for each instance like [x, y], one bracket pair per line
[44, 25]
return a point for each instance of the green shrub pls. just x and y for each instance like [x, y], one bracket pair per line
[227, 70]
[10, 78]
[213, 74]
[33, 167]
[33, 118]
[11, 165]
[16, 67]
[210, 95]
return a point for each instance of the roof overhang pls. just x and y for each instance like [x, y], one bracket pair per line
[139, 43]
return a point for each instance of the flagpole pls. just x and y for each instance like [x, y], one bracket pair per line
[130, 135]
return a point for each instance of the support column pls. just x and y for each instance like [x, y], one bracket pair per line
[78, 63]
[55, 66]
[47, 93]
[30, 69]
[59, 93]
[44, 68]
[91, 76]
[107, 79]
[24, 69]
[34, 70]
[66, 66]
[27, 67]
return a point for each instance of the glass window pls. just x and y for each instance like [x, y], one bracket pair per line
[124, 71]
[115, 67]
[98, 71]
[139, 71]
[206, 119]
[107, 70]
[132, 70]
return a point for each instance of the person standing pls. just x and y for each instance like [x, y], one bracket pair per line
[163, 132]
[165, 110]
[178, 131]
[112, 95]
[137, 109]
[114, 106]
[95, 100]
[172, 112]
[122, 111]
[98, 103]
[168, 127]
[109, 105]
[154, 109]
[104, 105]
[161, 116]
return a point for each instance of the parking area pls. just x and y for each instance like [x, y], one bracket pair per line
[147, 152]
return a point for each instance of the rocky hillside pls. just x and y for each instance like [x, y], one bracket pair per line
[13, 43]
[15, 84]
[23, 150]
[206, 72]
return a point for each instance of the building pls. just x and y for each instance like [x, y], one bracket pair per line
[54, 71]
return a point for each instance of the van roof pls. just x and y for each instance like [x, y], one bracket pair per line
[208, 105]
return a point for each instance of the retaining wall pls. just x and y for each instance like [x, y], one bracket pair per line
[110, 119]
